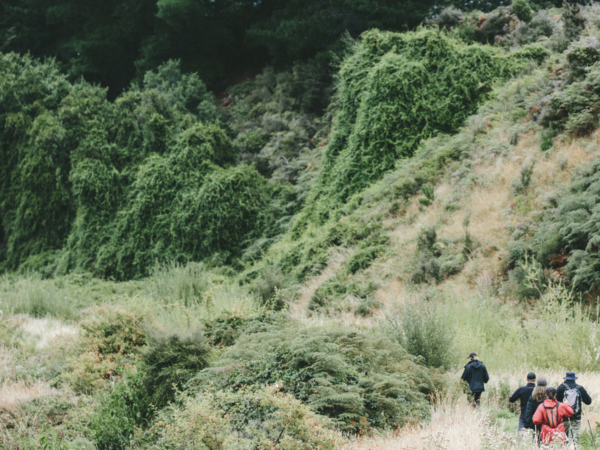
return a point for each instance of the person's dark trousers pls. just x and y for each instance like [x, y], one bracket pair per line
[475, 398]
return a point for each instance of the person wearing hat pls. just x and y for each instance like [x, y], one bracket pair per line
[523, 394]
[574, 394]
[551, 415]
[476, 375]
[537, 398]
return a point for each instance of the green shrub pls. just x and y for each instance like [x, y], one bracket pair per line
[421, 328]
[361, 380]
[259, 419]
[170, 360]
[581, 57]
[119, 411]
[267, 287]
[227, 327]
[363, 258]
[187, 284]
[449, 18]
[436, 259]
[522, 10]
[328, 295]
[522, 182]
[566, 238]
[110, 344]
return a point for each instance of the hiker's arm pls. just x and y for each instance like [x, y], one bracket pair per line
[465, 375]
[537, 417]
[585, 397]
[560, 393]
[517, 394]
[566, 409]
[529, 410]
[486, 377]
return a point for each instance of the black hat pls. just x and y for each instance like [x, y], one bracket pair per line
[550, 390]
[472, 355]
[542, 382]
[531, 376]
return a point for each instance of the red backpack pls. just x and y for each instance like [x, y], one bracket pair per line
[551, 417]
[552, 426]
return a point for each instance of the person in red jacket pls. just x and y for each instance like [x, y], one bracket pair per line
[551, 415]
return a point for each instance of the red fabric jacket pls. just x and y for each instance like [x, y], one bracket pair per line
[551, 415]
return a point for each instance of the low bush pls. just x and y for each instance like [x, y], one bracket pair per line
[263, 419]
[228, 326]
[421, 328]
[361, 380]
[121, 409]
[438, 259]
[328, 295]
[110, 343]
[267, 286]
[170, 360]
[185, 284]
[522, 10]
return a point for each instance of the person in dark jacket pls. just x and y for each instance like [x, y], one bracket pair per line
[537, 398]
[573, 425]
[523, 394]
[476, 375]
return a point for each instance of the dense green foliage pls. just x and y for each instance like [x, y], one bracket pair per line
[118, 185]
[359, 379]
[566, 240]
[169, 361]
[395, 90]
[243, 420]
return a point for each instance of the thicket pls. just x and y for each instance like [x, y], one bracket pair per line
[247, 419]
[395, 90]
[565, 241]
[361, 380]
[169, 361]
[114, 187]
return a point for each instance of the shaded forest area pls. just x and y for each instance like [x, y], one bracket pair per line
[113, 42]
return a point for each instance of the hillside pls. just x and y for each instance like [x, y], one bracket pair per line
[307, 261]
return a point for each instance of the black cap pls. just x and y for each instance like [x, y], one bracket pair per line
[531, 376]
[472, 355]
[551, 390]
[542, 382]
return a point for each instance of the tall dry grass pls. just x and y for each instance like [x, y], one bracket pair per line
[453, 426]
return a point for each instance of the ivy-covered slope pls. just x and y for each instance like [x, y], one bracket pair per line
[114, 187]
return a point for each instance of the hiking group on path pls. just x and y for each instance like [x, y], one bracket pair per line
[554, 414]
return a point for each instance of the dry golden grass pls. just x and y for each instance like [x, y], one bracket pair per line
[490, 208]
[299, 309]
[12, 393]
[453, 426]
[43, 330]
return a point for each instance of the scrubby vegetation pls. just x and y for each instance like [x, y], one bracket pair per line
[305, 259]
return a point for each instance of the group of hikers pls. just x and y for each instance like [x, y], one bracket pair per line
[554, 414]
